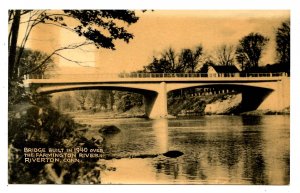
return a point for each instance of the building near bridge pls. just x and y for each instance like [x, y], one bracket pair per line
[222, 71]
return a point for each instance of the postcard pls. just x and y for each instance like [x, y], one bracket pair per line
[149, 97]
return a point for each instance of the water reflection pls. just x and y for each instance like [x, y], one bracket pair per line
[160, 129]
[254, 162]
[217, 150]
[251, 120]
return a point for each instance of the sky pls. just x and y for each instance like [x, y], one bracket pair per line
[159, 30]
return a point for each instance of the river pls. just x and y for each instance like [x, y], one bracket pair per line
[217, 150]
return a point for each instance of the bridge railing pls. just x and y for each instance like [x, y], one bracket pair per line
[154, 75]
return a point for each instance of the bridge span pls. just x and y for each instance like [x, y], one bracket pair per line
[259, 90]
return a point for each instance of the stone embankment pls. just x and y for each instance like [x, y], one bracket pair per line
[224, 105]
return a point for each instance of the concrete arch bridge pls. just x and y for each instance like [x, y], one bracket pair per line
[259, 90]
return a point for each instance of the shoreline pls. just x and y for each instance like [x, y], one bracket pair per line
[112, 115]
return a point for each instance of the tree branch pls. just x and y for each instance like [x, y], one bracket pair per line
[74, 61]
[10, 15]
[27, 33]
[55, 52]
[62, 26]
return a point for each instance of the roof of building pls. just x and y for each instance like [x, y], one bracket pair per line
[225, 69]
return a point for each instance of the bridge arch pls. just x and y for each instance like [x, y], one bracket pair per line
[252, 95]
[154, 94]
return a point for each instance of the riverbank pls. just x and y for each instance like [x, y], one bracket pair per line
[285, 111]
[87, 114]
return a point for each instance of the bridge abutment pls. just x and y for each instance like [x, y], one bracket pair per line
[156, 103]
[279, 99]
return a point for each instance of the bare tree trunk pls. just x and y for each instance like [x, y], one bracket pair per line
[112, 100]
[13, 45]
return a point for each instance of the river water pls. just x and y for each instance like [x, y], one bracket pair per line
[217, 150]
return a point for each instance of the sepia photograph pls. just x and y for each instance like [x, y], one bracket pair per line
[149, 97]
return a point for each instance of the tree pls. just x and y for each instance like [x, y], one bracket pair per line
[104, 99]
[242, 59]
[81, 98]
[283, 43]
[167, 63]
[111, 98]
[29, 61]
[249, 50]
[15, 16]
[127, 100]
[170, 62]
[94, 98]
[67, 102]
[63, 102]
[157, 66]
[189, 59]
[225, 55]
[98, 27]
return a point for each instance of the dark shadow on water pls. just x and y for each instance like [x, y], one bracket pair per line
[251, 120]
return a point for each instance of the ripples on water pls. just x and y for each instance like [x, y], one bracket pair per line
[217, 150]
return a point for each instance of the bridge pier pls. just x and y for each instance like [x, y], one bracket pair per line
[156, 103]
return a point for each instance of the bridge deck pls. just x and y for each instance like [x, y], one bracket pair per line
[155, 77]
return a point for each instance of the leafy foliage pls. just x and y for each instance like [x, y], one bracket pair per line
[93, 20]
[128, 100]
[36, 126]
[16, 93]
[31, 62]
[249, 50]
[283, 44]
[98, 27]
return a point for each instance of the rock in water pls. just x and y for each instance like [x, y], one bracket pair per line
[173, 154]
[109, 129]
